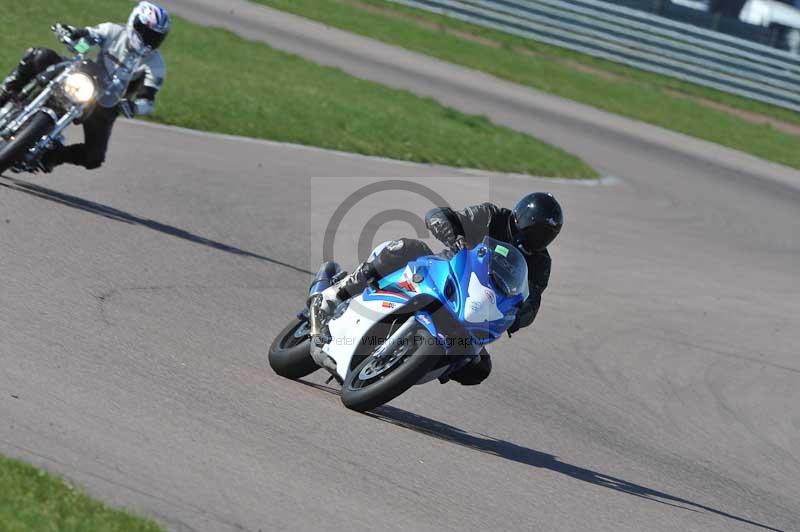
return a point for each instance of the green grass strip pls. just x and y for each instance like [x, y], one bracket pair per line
[626, 91]
[219, 82]
[32, 500]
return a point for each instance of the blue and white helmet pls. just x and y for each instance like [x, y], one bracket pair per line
[148, 26]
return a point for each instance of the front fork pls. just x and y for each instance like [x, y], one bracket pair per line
[28, 112]
[61, 124]
[39, 104]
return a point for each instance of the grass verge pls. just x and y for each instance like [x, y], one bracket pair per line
[32, 500]
[220, 82]
[692, 109]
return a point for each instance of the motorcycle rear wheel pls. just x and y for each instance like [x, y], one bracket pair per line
[290, 352]
[370, 385]
[26, 137]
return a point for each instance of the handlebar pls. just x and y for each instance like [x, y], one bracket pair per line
[64, 36]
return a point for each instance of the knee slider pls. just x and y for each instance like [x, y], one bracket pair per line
[28, 56]
[41, 56]
[34, 54]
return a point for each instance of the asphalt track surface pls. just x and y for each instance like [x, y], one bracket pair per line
[657, 391]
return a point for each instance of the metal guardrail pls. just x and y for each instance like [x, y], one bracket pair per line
[641, 40]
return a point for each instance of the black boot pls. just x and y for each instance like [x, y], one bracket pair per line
[356, 282]
[350, 286]
[6, 95]
[34, 61]
[52, 158]
[475, 372]
[14, 83]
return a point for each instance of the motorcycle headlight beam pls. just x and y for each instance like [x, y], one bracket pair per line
[79, 87]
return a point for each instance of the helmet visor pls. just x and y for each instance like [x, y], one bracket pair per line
[151, 38]
[516, 235]
[537, 237]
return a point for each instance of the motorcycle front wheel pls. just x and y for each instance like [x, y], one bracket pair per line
[290, 352]
[27, 136]
[378, 380]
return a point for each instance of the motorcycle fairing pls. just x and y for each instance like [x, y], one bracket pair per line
[352, 327]
[464, 288]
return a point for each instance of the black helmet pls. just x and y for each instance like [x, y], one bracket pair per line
[537, 221]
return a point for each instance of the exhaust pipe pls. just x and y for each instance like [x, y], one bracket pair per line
[324, 279]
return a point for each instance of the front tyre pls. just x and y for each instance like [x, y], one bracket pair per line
[376, 381]
[27, 136]
[290, 352]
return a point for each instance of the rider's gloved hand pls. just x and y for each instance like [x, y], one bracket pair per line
[460, 243]
[126, 108]
[73, 32]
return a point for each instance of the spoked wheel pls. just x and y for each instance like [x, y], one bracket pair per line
[25, 139]
[387, 373]
[375, 368]
[290, 352]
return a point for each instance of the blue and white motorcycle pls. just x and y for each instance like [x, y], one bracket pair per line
[415, 325]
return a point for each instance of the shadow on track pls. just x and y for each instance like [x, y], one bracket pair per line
[530, 457]
[125, 217]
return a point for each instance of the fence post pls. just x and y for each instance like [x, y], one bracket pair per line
[717, 20]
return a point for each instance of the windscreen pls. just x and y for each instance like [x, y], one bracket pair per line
[507, 269]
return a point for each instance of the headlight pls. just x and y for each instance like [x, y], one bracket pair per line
[79, 87]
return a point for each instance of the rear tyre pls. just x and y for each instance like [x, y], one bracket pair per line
[27, 136]
[290, 352]
[377, 381]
